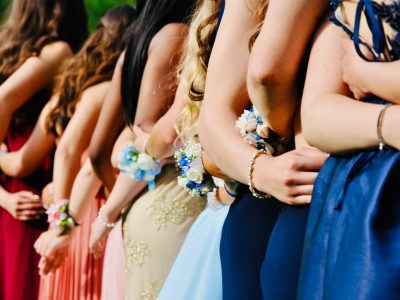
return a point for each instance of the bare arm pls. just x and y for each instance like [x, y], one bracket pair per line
[288, 177]
[225, 92]
[380, 79]
[34, 75]
[276, 56]
[84, 190]
[331, 120]
[162, 141]
[27, 159]
[75, 140]
[107, 129]
[159, 75]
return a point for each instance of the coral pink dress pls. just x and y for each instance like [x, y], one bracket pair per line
[79, 277]
[19, 278]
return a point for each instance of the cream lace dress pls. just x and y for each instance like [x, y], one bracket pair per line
[154, 229]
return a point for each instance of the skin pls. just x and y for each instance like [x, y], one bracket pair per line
[155, 98]
[288, 177]
[74, 141]
[271, 83]
[323, 103]
[34, 74]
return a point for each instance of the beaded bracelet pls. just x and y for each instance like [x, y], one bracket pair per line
[103, 220]
[252, 189]
[381, 141]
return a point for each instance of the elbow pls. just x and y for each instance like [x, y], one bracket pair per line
[97, 157]
[265, 75]
[18, 170]
[307, 127]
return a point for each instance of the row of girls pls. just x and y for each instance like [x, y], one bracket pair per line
[282, 119]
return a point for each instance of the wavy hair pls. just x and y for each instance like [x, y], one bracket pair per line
[154, 16]
[93, 64]
[29, 26]
[194, 64]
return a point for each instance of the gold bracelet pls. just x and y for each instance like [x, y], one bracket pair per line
[252, 189]
[381, 141]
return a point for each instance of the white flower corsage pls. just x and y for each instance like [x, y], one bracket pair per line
[193, 177]
[257, 132]
[139, 166]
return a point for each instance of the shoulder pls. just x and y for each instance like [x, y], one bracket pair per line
[56, 51]
[170, 35]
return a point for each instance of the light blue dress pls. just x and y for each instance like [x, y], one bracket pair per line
[196, 273]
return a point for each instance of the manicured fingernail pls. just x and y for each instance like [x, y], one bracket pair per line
[36, 197]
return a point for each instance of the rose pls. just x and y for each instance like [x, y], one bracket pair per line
[146, 162]
[197, 164]
[195, 175]
[182, 181]
[251, 125]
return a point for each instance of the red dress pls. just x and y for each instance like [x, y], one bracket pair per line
[19, 278]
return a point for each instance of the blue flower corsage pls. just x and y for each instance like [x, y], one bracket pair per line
[193, 177]
[138, 166]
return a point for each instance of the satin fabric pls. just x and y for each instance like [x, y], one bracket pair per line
[244, 241]
[352, 247]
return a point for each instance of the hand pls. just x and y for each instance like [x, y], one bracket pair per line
[352, 65]
[53, 248]
[98, 233]
[141, 138]
[289, 177]
[23, 206]
[48, 195]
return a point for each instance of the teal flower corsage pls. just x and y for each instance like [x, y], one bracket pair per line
[139, 166]
[193, 177]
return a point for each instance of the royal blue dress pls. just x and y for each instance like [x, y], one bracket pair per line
[352, 246]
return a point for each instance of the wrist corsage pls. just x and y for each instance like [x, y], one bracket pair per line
[257, 132]
[139, 166]
[193, 177]
[58, 217]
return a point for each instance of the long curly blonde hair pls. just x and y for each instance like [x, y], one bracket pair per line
[193, 68]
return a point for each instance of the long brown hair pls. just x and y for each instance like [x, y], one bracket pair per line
[29, 26]
[93, 64]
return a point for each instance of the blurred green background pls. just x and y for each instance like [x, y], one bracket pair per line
[95, 8]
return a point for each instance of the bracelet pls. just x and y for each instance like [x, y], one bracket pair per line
[103, 221]
[381, 141]
[59, 218]
[252, 189]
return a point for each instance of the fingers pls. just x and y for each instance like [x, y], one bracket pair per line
[303, 190]
[28, 195]
[304, 178]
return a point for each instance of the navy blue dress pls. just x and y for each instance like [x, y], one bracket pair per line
[352, 246]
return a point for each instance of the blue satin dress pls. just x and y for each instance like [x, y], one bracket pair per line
[352, 246]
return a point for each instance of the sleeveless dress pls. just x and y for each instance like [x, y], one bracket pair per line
[352, 247]
[19, 277]
[113, 281]
[154, 229]
[80, 276]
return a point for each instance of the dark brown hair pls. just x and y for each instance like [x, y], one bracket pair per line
[93, 64]
[31, 25]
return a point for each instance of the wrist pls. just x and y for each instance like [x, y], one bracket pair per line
[390, 126]
[108, 215]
